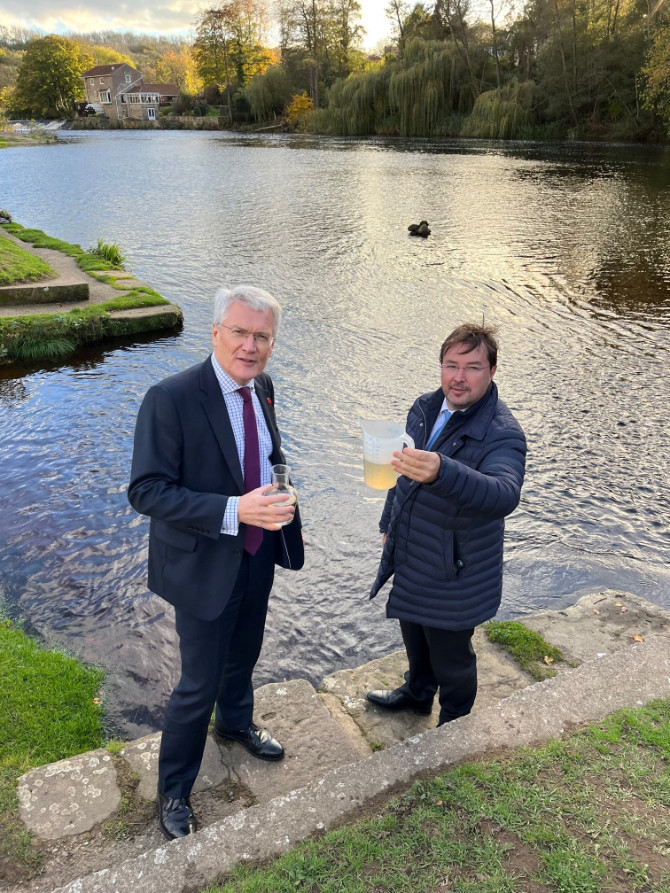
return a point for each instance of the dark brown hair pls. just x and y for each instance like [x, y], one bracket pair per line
[471, 335]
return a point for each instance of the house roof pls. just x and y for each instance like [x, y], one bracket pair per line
[162, 89]
[106, 69]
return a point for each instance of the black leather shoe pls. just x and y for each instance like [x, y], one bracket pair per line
[175, 816]
[259, 742]
[399, 700]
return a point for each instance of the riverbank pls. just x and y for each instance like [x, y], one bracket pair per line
[82, 299]
[93, 820]
[29, 135]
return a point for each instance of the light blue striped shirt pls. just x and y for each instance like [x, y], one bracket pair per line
[234, 405]
[442, 419]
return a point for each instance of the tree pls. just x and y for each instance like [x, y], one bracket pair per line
[454, 13]
[397, 12]
[319, 41]
[105, 56]
[347, 35]
[49, 81]
[178, 67]
[657, 75]
[228, 48]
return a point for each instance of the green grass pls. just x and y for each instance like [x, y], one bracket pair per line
[40, 240]
[49, 710]
[55, 336]
[17, 265]
[587, 814]
[527, 647]
[109, 251]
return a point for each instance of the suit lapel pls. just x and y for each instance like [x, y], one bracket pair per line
[217, 413]
[267, 406]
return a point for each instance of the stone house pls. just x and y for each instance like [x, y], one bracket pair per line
[119, 92]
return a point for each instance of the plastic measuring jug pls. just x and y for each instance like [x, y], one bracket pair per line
[380, 440]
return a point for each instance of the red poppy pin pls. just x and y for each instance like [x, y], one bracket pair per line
[269, 400]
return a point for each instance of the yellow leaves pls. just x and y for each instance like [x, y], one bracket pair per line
[300, 105]
[548, 660]
[637, 637]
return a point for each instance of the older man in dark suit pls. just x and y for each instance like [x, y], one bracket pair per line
[205, 442]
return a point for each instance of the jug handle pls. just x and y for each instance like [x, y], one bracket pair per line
[409, 442]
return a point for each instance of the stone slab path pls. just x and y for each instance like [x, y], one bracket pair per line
[341, 753]
[68, 273]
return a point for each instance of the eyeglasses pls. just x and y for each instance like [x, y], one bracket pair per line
[468, 371]
[262, 339]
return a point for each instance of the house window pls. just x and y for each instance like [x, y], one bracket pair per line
[123, 97]
[151, 114]
[102, 80]
[128, 79]
[105, 96]
[92, 80]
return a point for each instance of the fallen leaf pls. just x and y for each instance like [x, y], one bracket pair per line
[618, 604]
[548, 660]
[97, 701]
[638, 638]
[596, 611]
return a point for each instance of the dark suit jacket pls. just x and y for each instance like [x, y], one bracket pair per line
[185, 466]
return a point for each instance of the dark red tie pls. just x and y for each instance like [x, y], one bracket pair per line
[252, 465]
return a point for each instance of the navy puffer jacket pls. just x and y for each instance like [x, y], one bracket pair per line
[444, 544]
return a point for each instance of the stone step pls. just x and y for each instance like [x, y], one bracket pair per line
[336, 730]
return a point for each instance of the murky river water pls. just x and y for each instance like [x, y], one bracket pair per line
[565, 248]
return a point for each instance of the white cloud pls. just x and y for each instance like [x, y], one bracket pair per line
[168, 17]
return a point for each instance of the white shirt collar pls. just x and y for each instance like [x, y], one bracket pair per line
[228, 384]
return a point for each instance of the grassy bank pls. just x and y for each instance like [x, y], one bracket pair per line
[17, 265]
[49, 709]
[587, 814]
[37, 336]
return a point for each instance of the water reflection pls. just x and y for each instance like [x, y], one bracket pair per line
[564, 248]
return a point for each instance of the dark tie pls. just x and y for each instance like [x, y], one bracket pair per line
[252, 465]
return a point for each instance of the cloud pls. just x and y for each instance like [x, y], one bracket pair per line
[169, 17]
[175, 17]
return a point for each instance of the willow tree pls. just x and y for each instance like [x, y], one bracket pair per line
[269, 93]
[358, 105]
[428, 88]
[454, 14]
[505, 114]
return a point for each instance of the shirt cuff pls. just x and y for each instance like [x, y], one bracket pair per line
[230, 524]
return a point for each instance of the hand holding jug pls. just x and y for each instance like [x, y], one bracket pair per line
[380, 440]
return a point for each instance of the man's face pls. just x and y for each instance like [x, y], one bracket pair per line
[466, 375]
[239, 354]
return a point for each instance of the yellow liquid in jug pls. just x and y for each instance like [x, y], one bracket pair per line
[379, 477]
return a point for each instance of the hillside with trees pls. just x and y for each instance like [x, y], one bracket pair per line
[549, 69]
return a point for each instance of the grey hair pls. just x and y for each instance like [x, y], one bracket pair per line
[253, 297]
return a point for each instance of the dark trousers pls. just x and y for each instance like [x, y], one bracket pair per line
[217, 663]
[441, 659]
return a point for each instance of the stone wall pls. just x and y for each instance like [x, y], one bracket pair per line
[168, 122]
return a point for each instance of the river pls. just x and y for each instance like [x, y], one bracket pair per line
[564, 247]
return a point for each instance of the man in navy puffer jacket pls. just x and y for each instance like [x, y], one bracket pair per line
[443, 525]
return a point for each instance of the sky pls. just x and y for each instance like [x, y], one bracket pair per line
[164, 17]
